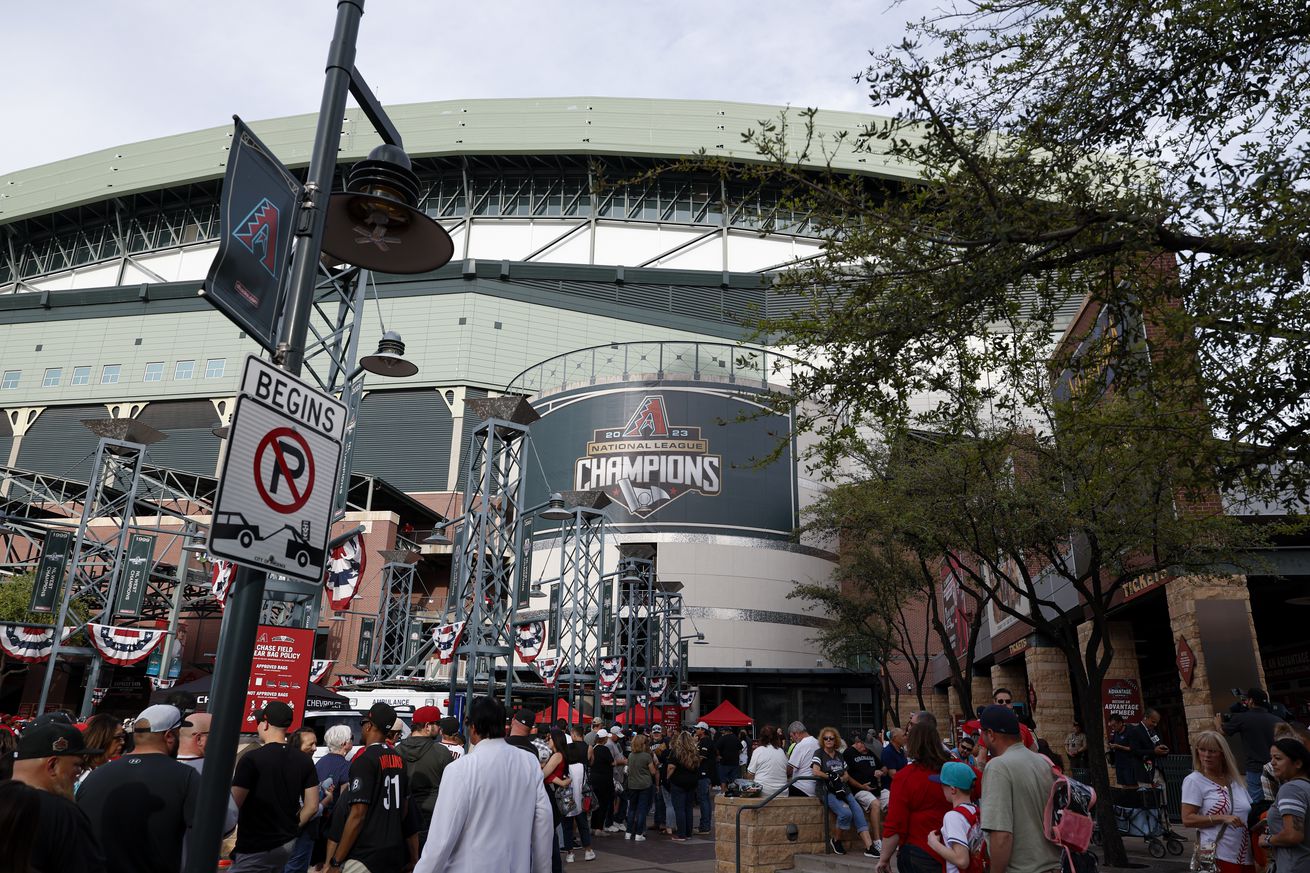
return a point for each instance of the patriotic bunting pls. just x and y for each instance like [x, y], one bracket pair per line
[98, 695]
[529, 639]
[30, 644]
[156, 683]
[346, 565]
[123, 646]
[318, 669]
[611, 671]
[547, 669]
[606, 699]
[221, 576]
[447, 638]
[686, 698]
[657, 685]
[643, 699]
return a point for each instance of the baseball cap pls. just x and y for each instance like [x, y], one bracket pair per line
[700, 725]
[277, 714]
[957, 775]
[425, 715]
[525, 717]
[999, 719]
[162, 717]
[617, 731]
[597, 721]
[657, 729]
[449, 725]
[52, 739]
[382, 716]
[602, 733]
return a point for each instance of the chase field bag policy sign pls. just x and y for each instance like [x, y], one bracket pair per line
[274, 506]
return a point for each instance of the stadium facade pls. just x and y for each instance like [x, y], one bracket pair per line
[618, 308]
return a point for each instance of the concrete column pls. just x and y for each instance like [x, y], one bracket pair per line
[980, 687]
[1011, 675]
[224, 407]
[1182, 594]
[1048, 674]
[456, 404]
[939, 705]
[21, 420]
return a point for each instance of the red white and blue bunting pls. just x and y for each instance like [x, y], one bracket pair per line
[657, 686]
[30, 644]
[687, 698]
[346, 564]
[124, 646]
[221, 575]
[611, 671]
[318, 669]
[447, 638]
[606, 699]
[547, 669]
[156, 683]
[529, 640]
[643, 700]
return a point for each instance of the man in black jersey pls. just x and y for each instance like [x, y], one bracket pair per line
[276, 790]
[49, 758]
[377, 835]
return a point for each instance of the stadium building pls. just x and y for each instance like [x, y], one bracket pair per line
[617, 308]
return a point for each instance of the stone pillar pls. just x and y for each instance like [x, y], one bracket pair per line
[1011, 675]
[1182, 594]
[1123, 664]
[765, 846]
[980, 686]
[1048, 674]
[938, 701]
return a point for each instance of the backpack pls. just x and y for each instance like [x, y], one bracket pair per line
[979, 860]
[1067, 822]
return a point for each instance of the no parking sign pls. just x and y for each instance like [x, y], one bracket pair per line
[275, 494]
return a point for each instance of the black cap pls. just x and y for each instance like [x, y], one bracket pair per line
[525, 717]
[51, 739]
[449, 725]
[382, 716]
[999, 719]
[276, 713]
[1258, 695]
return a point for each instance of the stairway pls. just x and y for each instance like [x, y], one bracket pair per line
[834, 863]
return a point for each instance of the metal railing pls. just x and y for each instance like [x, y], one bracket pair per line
[766, 801]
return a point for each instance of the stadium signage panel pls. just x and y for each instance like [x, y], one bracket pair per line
[258, 213]
[50, 571]
[136, 573]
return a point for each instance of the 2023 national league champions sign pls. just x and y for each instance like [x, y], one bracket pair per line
[673, 455]
[275, 494]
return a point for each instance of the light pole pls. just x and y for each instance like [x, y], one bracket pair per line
[378, 192]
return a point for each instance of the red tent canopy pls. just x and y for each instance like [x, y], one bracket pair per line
[562, 710]
[637, 715]
[726, 714]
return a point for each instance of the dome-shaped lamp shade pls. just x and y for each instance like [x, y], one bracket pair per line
[374, 223]
[555, 509]
[389, 359]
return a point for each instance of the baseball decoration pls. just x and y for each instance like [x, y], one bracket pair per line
[156, 683]
[123, 646]
[346, 564]
[318, 669]
[547, 669]
[29, 644]
[686, 698]
[447, 638]
[657, 685]
[529, 639]
[611, 671]
[221, 575]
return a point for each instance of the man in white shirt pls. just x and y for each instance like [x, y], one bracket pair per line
[803, 750]
[492, 812]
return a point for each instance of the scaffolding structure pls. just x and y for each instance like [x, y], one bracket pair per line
[394, 648]
[580, 601]
[635, 625]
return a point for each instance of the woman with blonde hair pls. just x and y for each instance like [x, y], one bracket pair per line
[1215, 802]
[683, 774]
[834, 787]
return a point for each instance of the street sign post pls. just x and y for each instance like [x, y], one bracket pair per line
[275, 494]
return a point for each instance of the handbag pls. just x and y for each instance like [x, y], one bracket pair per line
[568, 803]
[1203, 856]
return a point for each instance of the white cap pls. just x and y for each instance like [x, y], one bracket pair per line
[161, 717]
[617, 732]
[602, 733]
[700, 725]
[657, 727]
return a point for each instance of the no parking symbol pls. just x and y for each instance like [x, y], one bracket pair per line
[284, 470]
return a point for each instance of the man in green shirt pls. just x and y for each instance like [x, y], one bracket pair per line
[1016, 784]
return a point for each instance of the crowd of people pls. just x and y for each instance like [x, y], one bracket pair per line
[496, 792]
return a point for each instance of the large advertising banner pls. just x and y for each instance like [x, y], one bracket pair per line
[51, 571]
[136, 573]
[680, 455]
[279, 671]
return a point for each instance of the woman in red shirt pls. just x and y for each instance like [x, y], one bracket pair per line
[916, 806]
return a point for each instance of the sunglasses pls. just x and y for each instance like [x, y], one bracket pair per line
[830, 739]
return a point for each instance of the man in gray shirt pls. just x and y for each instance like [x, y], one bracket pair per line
[1015, 787]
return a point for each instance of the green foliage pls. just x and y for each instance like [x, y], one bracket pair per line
[15, 594]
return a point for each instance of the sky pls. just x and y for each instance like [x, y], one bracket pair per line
[89, 74]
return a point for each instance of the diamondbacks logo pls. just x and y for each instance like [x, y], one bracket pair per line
[648, 463]
[258, 233]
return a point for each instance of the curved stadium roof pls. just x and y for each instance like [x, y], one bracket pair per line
[599, 126]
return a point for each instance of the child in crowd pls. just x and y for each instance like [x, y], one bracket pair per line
[960, 839]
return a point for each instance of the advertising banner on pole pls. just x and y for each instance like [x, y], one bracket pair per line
[258, 213]
[279, 671]
[524, 592]
[51, 571]
[135, 575]
[364, 650]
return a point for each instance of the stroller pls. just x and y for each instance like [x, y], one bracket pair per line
[1141, 813]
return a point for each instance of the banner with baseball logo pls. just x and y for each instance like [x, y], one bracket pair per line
[318, 669]
[606, 699]
[30, 644]
[346, 565]
[687, 698]
[123, 646]
[529, 639]
[657, 686]
[221, 575]
[447, 638]
[611, 671]
[547, 669]
[156, 683]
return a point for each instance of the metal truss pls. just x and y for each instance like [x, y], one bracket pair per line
[670, 653]
[393, 647]
[635, 626]
[580, 625]
[486, 591]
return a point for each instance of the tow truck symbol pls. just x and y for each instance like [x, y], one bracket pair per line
[300, 549]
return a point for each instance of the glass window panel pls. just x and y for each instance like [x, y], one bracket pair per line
[214, 368]
[10, 379]
[109, 375]
[53, 375]
[184, 370]
[81, 376]
[154, 372]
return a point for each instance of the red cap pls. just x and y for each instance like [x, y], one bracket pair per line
[427, 715]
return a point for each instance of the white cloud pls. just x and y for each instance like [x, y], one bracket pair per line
[86, 74]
